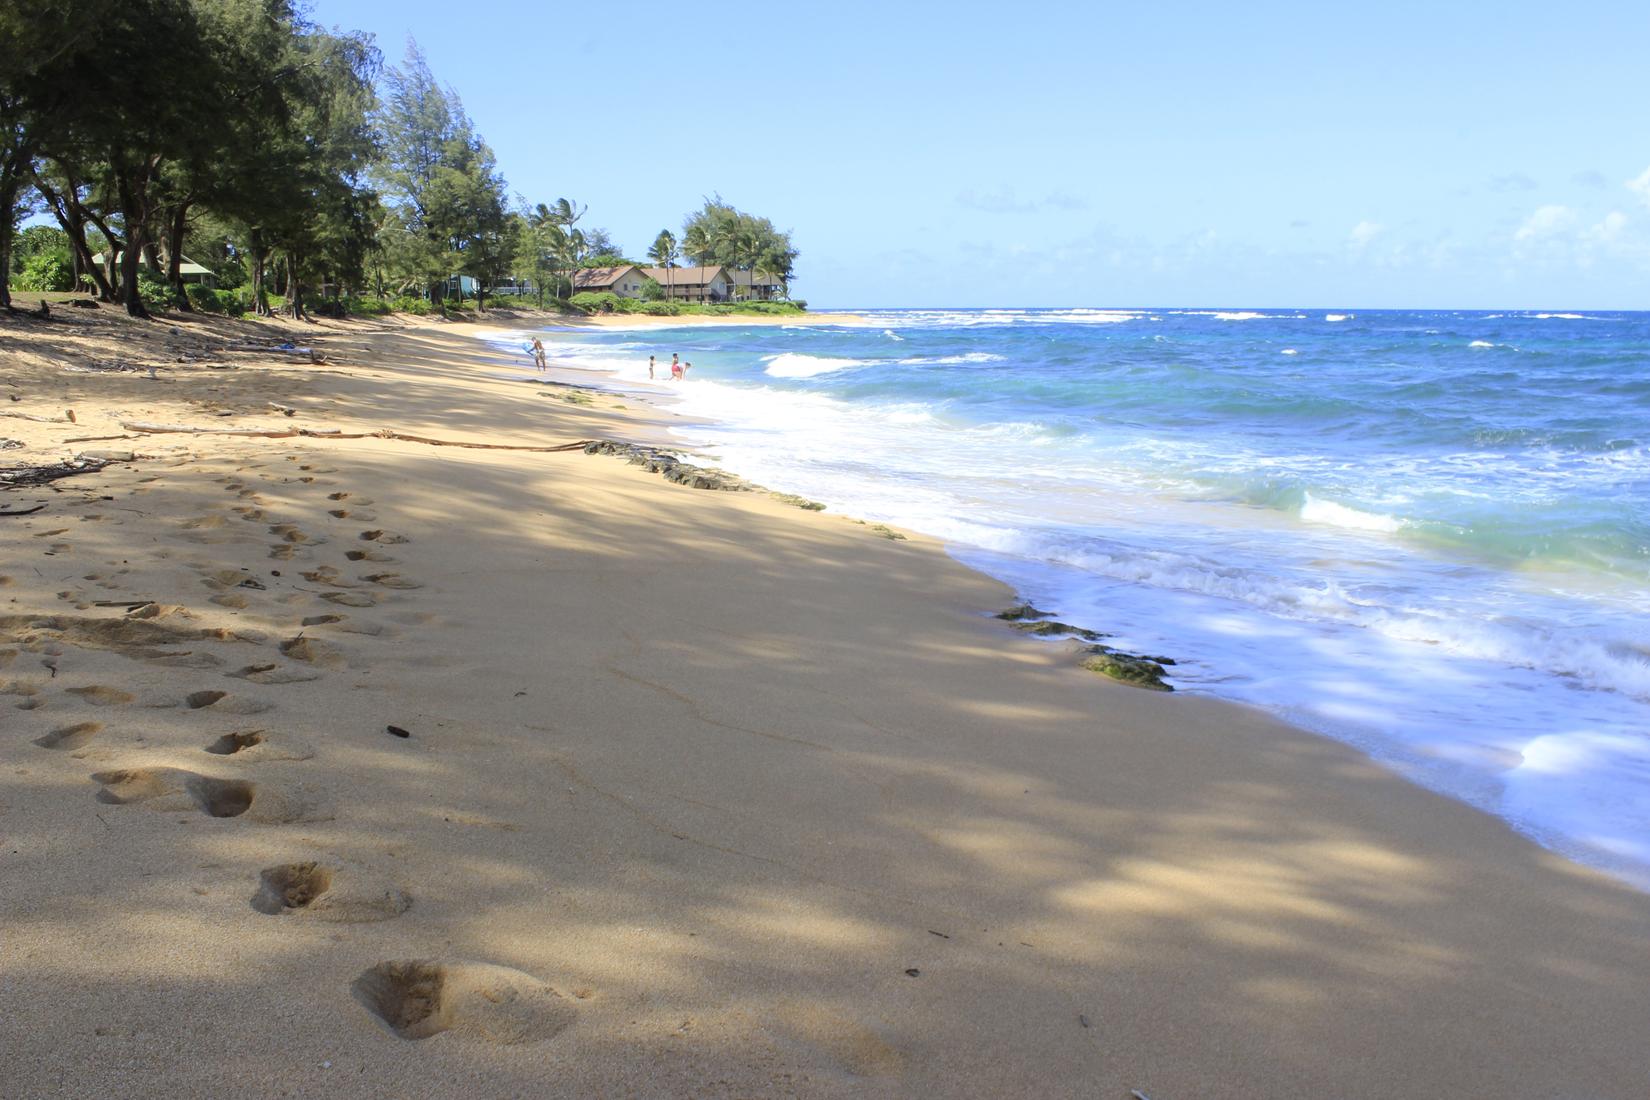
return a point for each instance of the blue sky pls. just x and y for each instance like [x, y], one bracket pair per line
[1439, 155]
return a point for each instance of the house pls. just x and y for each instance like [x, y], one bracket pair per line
[625, 280]
[756, 286]
[693, 284]
[188, 270]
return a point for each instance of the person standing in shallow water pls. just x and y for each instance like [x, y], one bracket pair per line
[650, 366]
[538, 354]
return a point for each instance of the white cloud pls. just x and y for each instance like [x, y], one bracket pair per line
[1608, 230]
[1641, 186]
[1547, 221]
[1363, 233]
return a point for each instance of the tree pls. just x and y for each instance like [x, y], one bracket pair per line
[445, 179]
[46, 49]
[717, 233]
[600, 243]
[665, 252]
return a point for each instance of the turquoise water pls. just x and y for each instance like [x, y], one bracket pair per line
[1427, 534]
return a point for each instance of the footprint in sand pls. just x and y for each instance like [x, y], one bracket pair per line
[367, 555]
[350, 599]
[420, 998]
[290, 532]
[283, 551]
[260, 746]
[99, 696]
[69, 738]
[391, 580]
[273, 674]
[384, 537]
[230, 578]
[311, 651]
[174, 790]
[229, 599]
[225, 703]
[333, 891]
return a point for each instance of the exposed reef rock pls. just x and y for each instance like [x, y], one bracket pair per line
[1128, 668]
[672, 468]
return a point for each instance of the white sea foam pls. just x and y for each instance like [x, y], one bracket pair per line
[1328, 512]
[892, 335]
[968, 357]
[1560, 317]
[1289, 351]
[1482, 344]
[794, 365]
[1241, 315]
[1337, 316]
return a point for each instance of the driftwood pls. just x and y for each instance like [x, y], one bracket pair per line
[41, 419]
[24, 511]
[15, 477]
[317, 433]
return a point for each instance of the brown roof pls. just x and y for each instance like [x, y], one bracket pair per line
[685, 276]
[597, 278]
[743, 278]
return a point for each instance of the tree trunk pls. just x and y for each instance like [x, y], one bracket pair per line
[71, 217]
[8, 201]
[133, 204]
[174, 255]
[294, 290]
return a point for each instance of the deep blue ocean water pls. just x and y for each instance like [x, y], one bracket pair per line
[1424, 533]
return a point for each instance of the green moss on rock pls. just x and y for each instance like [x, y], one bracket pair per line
[1127, 668]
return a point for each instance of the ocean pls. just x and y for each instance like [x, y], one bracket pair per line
[1423, 533]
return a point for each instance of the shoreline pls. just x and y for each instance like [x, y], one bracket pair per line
[736, 793]
[1203, 669]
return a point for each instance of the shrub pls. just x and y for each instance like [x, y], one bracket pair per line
[408, 304]
[208, 300]
[47, 271]
[659, 309]
[596, 301]
[369, 307]
[154, 293]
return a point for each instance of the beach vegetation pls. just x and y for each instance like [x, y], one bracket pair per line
[46, 271]
[291, 163]
[718, 233]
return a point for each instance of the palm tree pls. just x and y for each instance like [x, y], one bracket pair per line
[665, 252]
[575, 249]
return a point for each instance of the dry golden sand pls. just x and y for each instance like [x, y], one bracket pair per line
[702, 795]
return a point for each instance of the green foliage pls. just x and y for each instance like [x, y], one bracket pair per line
[227, 301]
[718, 233]
[156, 294]
[608, 259]
[46, 271]
[37, 240]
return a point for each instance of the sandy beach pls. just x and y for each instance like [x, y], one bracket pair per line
[643, 320]
[428, 755]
